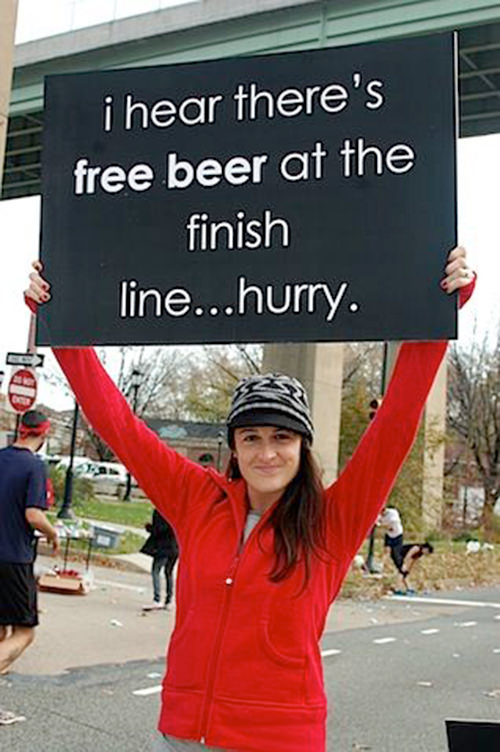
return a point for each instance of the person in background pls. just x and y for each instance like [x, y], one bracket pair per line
[409, 554]
[162, 546]
[390, 520]
[403, 555]
[23, 500]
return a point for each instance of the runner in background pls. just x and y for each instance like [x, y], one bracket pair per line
[403, 555]
[23, 501]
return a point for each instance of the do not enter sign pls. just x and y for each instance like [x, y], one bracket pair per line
[21, 392]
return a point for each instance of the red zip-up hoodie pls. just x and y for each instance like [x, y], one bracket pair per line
[244, 668]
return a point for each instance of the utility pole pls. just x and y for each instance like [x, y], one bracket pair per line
[135, 384]
[8, 16]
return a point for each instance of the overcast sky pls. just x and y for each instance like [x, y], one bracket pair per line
[478, 214]
[41, 18]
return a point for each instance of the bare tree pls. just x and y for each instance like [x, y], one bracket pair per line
[179, 383]
[213, 378]
[162, 372]
[363, 360]
[474, 413]
[361, 383]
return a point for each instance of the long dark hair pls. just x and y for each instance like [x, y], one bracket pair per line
[298, 520]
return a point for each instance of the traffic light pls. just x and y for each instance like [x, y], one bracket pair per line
[373, 407]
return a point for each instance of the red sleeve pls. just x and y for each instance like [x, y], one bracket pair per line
[356, 498]
[359, 493]
[167, 478]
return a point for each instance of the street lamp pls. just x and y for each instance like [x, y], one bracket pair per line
[65, 512]
[135, 382]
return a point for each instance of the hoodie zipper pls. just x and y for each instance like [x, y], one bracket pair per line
[221, 628]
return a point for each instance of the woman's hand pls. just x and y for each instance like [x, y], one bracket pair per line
[458, 273]
[38, 290]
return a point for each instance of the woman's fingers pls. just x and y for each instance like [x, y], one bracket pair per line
[456, 265]
[455, 283]
[457, 252]
[457, 271]
[38, 288]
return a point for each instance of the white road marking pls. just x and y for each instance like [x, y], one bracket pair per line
[119, 585]
[497, 617]
[147, 691]
[429, 631]
[384, 640]
[465, 624]
[443, 601]
[332, 651]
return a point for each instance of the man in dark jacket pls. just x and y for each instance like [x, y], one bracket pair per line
[162, 546]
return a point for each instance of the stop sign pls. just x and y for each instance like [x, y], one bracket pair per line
[21, 391]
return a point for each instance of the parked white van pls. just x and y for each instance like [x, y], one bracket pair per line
[108, 478]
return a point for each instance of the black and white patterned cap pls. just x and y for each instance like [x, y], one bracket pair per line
[270, 399]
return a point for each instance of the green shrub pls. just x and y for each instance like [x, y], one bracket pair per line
[82, 487]
[466, 535]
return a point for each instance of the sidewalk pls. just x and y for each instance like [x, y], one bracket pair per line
[106, 626]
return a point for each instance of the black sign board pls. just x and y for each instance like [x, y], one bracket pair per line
[298, 197]
[473, 736]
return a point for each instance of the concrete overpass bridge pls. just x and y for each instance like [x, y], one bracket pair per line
[207, 29]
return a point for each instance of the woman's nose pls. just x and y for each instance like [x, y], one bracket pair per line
[267, 450]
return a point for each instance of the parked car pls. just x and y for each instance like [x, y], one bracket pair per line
[99, 470]
[108, 478]
[62, 461]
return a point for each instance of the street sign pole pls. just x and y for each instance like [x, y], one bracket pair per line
[24, 361]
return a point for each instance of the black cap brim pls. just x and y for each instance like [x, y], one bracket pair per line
[255, 417]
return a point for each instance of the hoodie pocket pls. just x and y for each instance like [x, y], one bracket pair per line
[275, 654]
[186, 657]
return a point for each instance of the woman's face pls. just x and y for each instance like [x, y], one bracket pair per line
[268, 458]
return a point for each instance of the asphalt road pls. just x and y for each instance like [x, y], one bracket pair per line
[391, 687]
[390, 683]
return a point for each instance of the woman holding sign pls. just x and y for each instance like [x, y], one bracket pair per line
[264, 548]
